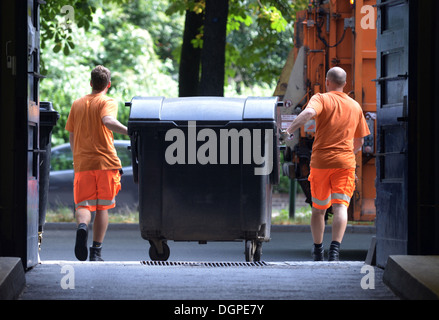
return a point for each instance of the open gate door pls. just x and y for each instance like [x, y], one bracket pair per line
[19, 130]
[392, 131]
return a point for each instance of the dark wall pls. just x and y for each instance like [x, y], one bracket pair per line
[408, 134]
[19, 135]
[424, 130]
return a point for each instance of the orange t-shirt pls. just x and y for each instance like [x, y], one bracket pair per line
[93, 142]
[339, 120]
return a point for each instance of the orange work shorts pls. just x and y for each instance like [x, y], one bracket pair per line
[96, 189]
[330, 186]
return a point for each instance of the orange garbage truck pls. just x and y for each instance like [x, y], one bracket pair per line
[332, 33]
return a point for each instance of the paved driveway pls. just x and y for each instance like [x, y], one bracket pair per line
[199, 272]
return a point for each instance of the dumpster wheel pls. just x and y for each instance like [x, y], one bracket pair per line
[253, 250]
[154, 249]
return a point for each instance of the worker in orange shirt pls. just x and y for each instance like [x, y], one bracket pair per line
[340, 131]
[91, 123]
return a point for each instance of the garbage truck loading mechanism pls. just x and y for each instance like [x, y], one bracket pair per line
[327, 34]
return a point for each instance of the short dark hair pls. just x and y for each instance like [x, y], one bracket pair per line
[100, 77]
[336, 75]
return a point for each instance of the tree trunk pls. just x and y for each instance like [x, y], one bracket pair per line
[189, 72]
[214, 45]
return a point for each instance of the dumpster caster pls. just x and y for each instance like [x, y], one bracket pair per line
[258, 251]
[154, 249]
[253, 250]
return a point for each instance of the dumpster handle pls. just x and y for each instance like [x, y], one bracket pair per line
[36, 151]
[134, 160]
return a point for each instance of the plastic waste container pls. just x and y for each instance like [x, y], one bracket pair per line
[48, 119]
[205, 167]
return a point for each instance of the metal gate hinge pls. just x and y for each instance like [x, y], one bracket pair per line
[398, 77]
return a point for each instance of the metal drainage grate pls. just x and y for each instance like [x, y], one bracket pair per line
[203, 264]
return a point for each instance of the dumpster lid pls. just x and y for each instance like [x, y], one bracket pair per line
[46, 106]
[203, 108]
[48, 115]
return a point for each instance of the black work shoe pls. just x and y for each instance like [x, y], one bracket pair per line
[81, 251]
[95, 254]
[317, 254]
[333, 255]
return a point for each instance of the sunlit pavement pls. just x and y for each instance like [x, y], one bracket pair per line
[214, 271]
[135, 280]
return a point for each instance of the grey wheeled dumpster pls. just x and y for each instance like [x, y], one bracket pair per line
[48, 119]
[205, 167]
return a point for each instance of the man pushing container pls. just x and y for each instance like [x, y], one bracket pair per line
[340, 131]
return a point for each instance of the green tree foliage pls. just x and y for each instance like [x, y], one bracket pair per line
[259, 37]
[116, 37]
[140, 41]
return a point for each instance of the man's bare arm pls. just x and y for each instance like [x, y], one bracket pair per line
[301, 119]
[358, 144]
[114, 125]
[71, 140]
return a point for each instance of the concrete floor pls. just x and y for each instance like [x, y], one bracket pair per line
[199, 272]
[133, 280]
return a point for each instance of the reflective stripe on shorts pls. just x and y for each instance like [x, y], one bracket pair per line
[101, 202]
[321, 202]
[340, 196]
[337, 196]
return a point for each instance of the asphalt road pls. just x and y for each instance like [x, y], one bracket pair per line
[124, 243]
[215, 271]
